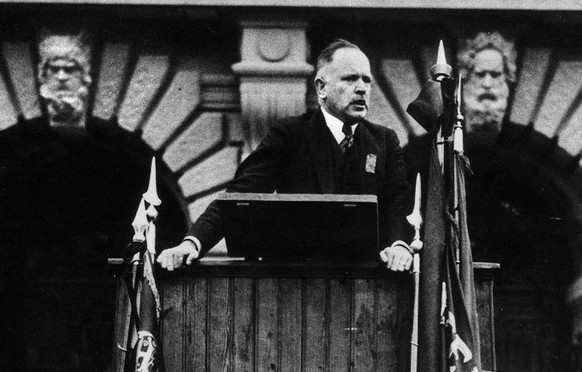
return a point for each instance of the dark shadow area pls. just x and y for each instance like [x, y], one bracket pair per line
[67, 201]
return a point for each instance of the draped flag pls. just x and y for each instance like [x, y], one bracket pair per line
[143, 354]
[459, 312]
[448, 337]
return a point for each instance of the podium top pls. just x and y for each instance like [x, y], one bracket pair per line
[300, 227]
[331, 198]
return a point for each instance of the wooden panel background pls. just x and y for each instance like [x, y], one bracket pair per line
[236, 316]
[281, 324]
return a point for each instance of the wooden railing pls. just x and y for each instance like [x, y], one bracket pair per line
[240, 316]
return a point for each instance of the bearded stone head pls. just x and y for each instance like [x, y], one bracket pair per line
[487, 67]
[64, 77]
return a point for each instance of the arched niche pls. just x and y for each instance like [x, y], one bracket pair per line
[168, 94]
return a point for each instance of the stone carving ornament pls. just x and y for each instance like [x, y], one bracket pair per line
[487, 66]
[64, 77]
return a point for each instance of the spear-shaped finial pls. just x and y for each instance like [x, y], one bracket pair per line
[151, 195]
[458, 141]
[140, 223]
[441, 58]
[415, 218]
[441, 69]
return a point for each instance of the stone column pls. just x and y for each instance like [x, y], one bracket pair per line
[273, 74]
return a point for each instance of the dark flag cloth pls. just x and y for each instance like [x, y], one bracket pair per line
[147, 357]
[458, 335]
[432, 261]
[428, 106]
[465, 259]
[459, 311]
[144, 354]
[448, 335]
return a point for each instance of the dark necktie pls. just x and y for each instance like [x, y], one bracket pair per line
[348, 140]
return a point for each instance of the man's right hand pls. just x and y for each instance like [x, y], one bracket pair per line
[173, 258]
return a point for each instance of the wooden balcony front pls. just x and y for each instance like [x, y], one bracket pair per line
[241, 316]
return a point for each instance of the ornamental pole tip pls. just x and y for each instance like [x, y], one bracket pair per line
[458, 141]
[415, 218]
[151, 195]
[441, 69]
[140, 223]
[441, 58]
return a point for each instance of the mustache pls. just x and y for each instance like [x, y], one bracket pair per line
[492, 96]
[484, 115]
[64, 105]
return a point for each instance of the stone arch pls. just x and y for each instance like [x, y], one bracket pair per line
[189, 120]
[165, 105]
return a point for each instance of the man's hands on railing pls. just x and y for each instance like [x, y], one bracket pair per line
[179, 256]
[397, 257]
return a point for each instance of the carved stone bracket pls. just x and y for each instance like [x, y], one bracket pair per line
[273, 74]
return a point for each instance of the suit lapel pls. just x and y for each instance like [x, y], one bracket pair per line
[318, 142]
[369, 152]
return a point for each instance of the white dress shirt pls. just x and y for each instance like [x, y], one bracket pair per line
[335, 125]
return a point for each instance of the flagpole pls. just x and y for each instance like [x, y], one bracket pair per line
[447, 318]
[415, 219]
[431, 347]
[464, 257]
[439, 71]
[458, 149]
[143, 354]
[134, 283]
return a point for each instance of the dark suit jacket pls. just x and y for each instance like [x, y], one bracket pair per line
[295, 157]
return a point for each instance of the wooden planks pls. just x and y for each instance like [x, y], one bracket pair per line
[244, 324]
[287, 323]
[315, 332]
[290, 325]
[195, 314]
[340, 324]
[239, 316]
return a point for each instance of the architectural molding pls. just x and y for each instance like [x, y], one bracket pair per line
[562, 5]
[273, 74]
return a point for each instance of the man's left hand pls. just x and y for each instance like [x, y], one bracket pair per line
[397, 258]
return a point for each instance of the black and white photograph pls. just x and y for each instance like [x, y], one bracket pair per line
[290, 185]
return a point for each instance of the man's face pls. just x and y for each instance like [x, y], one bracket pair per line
[486, 92]
[63, 75]
[344, 85]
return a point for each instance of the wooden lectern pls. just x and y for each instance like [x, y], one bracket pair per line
[292, 315]
[252, 316]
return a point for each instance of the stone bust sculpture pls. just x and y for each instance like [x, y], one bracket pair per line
[487, 66]
[64, 77]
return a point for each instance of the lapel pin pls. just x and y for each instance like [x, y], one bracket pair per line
[371, 163]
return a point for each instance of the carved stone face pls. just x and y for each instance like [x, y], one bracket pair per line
[64, 77]
[485, 93]
[64, 90]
